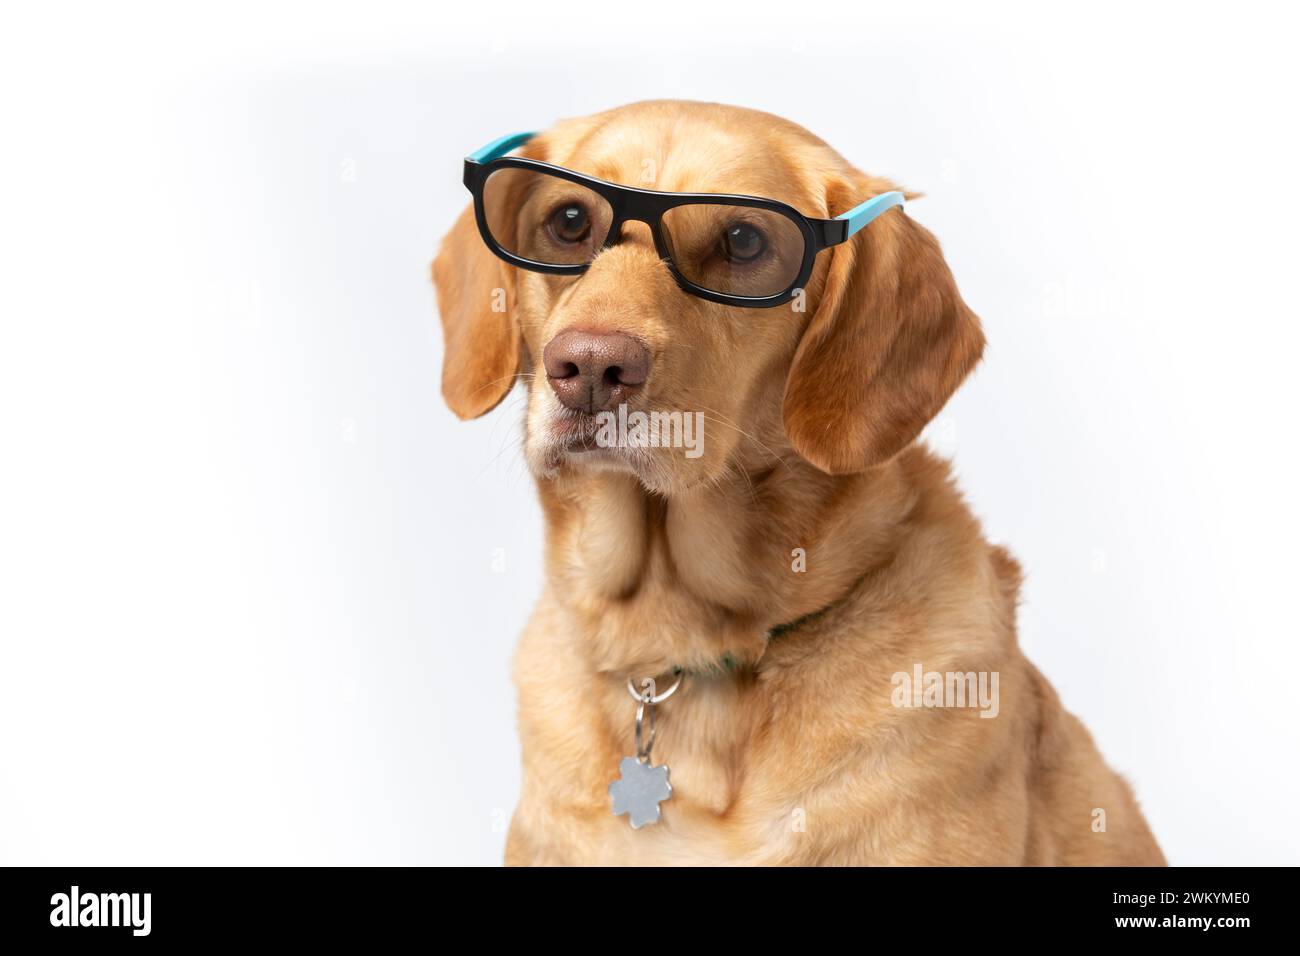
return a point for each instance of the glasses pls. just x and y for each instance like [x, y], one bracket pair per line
[737, 250]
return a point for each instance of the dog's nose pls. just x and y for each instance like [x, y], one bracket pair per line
[594, 371]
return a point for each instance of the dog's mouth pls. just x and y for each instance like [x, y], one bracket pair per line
[574, 429]
[569, 439]
[584, 437]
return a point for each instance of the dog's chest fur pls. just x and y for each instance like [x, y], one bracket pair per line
[770, 758]
[798, 754]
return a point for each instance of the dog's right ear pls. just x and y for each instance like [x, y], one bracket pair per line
[888, 345]
[481, 339]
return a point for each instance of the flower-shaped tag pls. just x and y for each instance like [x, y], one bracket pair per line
[639, 790]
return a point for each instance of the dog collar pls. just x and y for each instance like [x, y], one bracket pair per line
[728, 663]
[641, 786]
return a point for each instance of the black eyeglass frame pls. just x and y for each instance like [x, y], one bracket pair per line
[630, 204]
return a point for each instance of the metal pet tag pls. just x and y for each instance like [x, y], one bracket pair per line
[641, 786]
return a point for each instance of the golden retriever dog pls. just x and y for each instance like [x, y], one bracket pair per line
[813, 577]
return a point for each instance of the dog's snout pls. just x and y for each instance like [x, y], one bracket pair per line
[594, 371]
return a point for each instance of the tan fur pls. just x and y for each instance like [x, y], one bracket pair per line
[797, 755]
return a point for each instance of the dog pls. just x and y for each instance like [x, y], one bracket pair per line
[796, 576]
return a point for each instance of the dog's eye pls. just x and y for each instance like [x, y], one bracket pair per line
[570, 223]
[741, 242]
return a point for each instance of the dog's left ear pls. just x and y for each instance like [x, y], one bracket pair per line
[482, 344]
[888, 345]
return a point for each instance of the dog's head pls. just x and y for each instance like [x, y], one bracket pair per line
[846, 374]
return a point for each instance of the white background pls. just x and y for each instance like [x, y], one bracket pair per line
[248, 606]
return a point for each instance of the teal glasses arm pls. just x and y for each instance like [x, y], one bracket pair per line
[499, 147]
[859, 216]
